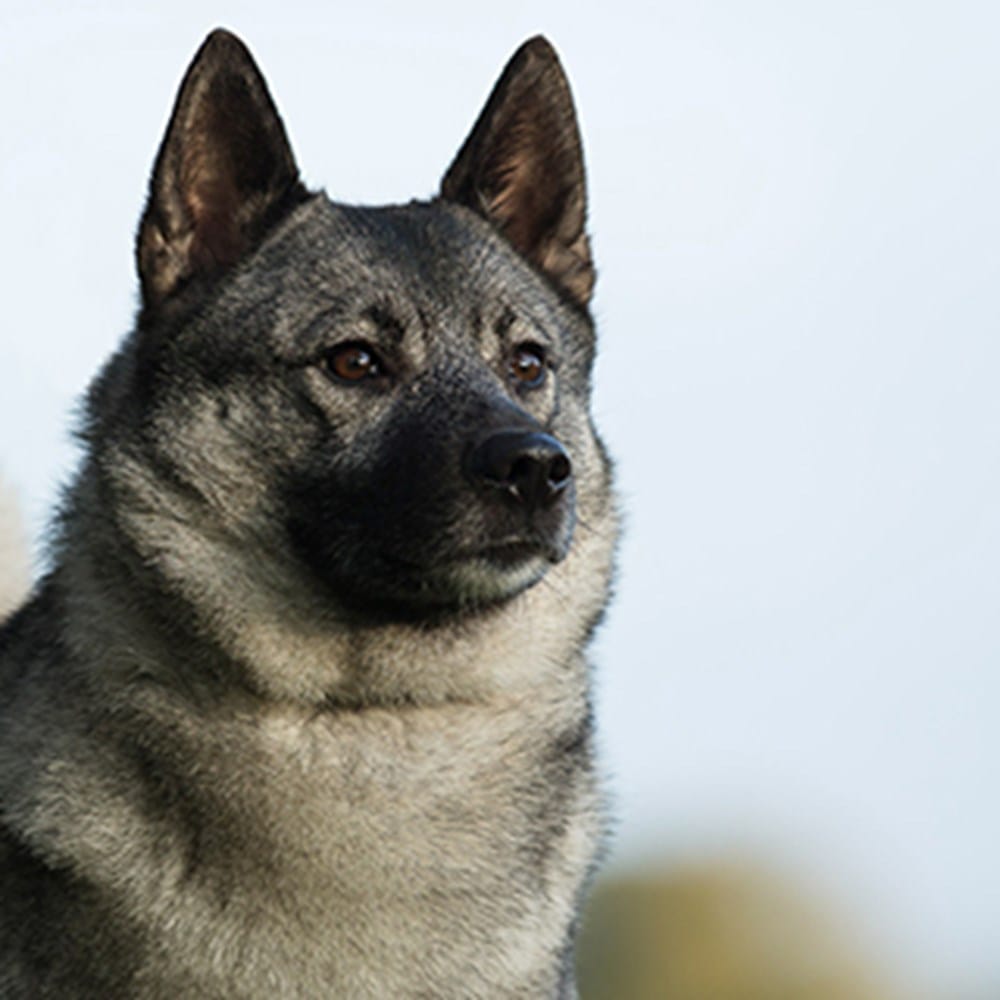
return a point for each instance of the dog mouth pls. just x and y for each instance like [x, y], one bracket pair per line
[420, 569]
[461, 582]
[495, 572]
[511, 553]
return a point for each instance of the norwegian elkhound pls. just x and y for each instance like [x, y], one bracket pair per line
[302, 708]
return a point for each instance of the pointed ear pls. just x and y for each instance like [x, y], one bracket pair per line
[522, 168]
[223, 175]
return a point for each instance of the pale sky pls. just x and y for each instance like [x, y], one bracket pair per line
[795, 217]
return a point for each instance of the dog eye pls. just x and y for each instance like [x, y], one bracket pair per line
[527, 365]
[353, 362]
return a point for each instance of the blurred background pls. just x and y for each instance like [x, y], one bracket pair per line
[794, 212]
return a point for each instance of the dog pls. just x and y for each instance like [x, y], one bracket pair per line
[302, 708]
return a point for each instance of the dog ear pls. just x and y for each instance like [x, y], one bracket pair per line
[223, 175]
[522, 168]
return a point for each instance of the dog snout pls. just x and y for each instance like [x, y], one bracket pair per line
[530, 467]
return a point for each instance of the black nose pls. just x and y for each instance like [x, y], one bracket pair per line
[532, 468]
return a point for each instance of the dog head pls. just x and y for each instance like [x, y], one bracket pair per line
[391, 403]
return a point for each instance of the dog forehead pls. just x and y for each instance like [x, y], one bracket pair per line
[433, 255]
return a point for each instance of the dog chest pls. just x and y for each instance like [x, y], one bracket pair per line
[443, 848]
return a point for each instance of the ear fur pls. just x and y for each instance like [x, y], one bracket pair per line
[522, 168]
[223, 175]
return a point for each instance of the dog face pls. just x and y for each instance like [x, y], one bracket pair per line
[395, 398]
[439, 475]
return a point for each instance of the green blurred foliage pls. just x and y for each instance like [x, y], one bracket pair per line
[715, 932]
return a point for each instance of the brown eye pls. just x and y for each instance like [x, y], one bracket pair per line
[527, 365]
[353, 362]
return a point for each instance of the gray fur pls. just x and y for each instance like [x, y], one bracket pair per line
[267, 729]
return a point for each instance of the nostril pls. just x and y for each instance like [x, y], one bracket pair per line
[559, 472]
